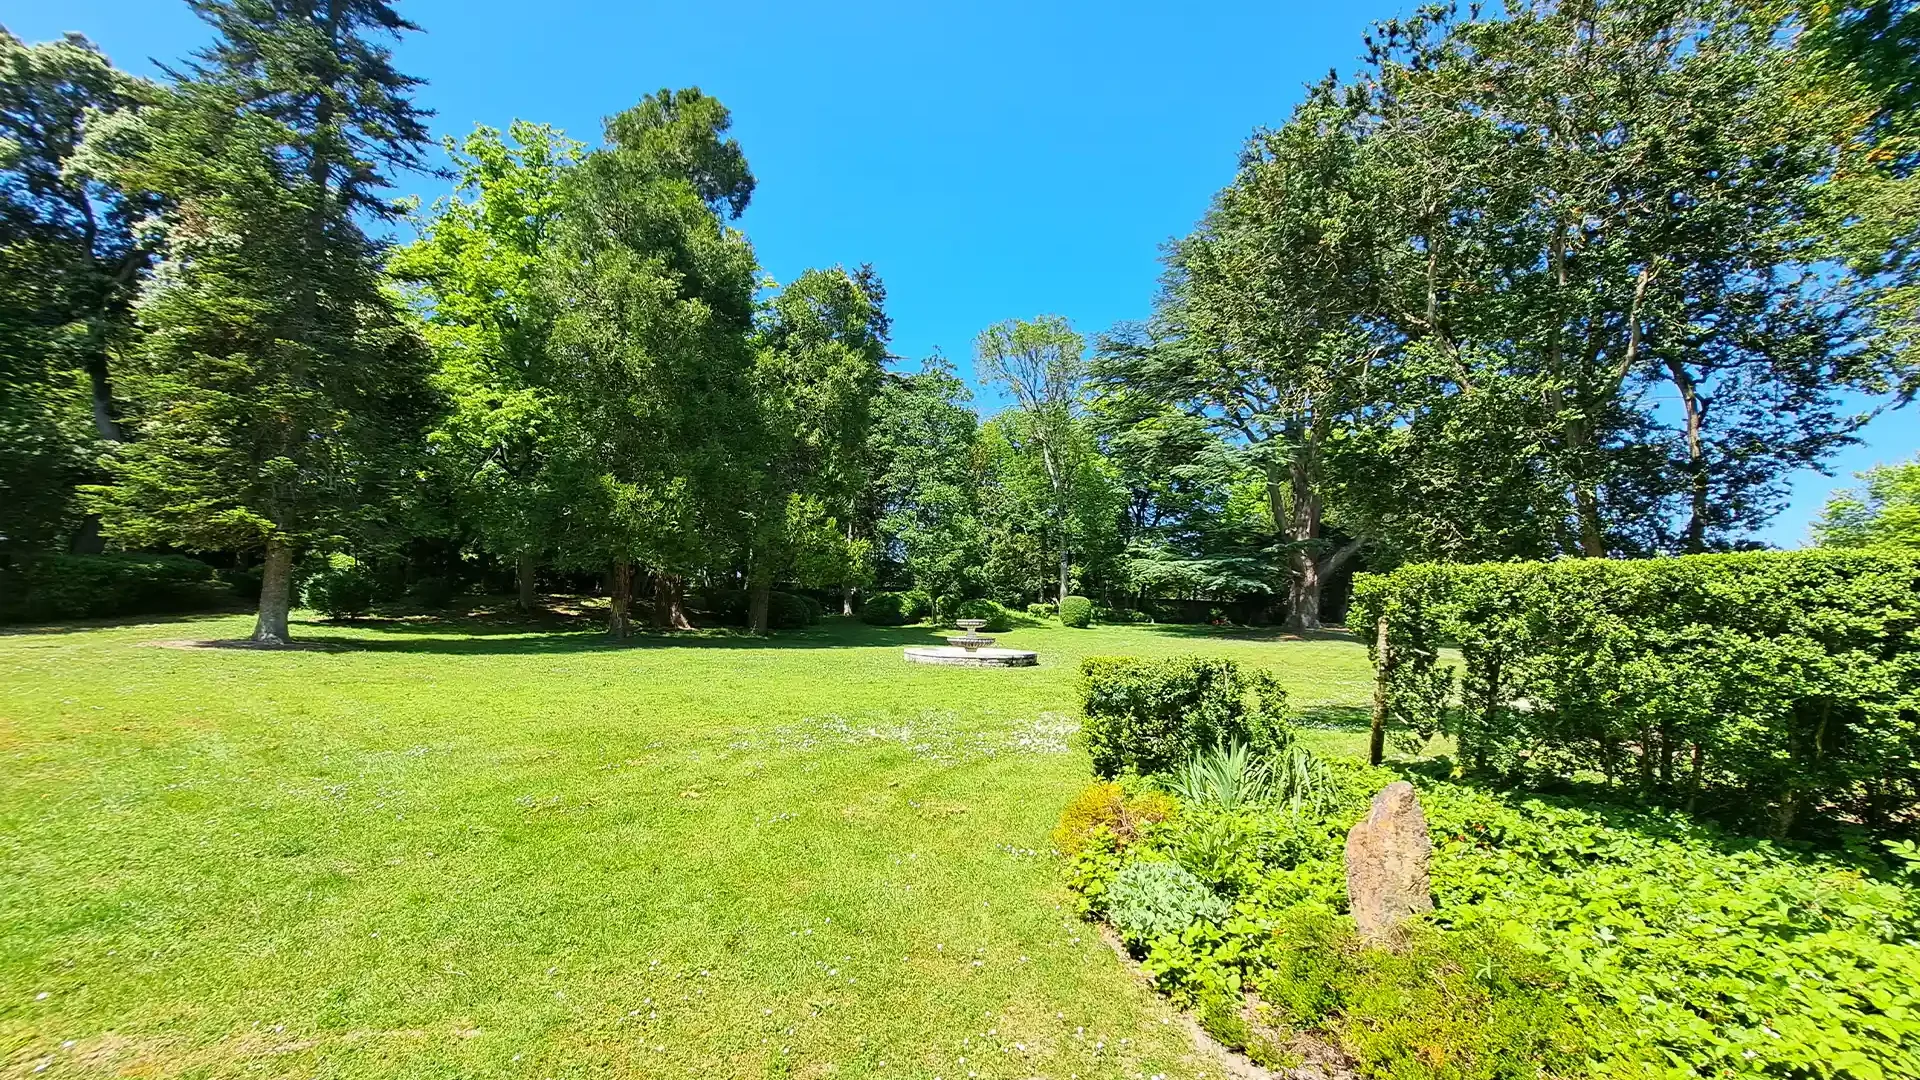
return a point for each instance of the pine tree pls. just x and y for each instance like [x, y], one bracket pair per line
[278, 387]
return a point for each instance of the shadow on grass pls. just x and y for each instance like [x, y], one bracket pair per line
[472, 637]
[1202, 631]
[110, 622]
[1335, 718]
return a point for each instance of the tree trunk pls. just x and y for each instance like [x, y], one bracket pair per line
[1066, 569]
[276, 593]
[847, 593]
[524, 572]
[620, 591]
[1303, 593]
[670, 603]
[759, 599]
[1593, 540]
[1383, 670]
[1695, 408]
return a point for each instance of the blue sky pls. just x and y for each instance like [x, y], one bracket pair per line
[992, 160]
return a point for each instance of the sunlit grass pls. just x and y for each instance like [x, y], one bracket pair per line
[460, 850]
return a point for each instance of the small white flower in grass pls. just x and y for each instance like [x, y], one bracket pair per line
[42, 996]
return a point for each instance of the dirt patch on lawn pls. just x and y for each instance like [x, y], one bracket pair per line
[250, 645]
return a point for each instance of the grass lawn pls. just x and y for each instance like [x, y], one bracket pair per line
[460, 849]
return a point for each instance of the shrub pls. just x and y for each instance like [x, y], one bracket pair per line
[999, 619]
[918, 604]
[1153, 897]
[885, 609]
[1108, 806]
[1042, 611]
[789, 611]
[1148, 716]
[343, 590]
[434, 593]
[244, 581]
[93, 586]
[1076, 611]
[815, 609]
[1782, 688]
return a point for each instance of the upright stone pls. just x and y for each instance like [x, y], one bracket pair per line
[1387, 854]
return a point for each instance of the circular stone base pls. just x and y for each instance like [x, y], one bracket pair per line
[957, 657]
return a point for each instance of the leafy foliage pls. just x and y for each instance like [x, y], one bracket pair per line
[1568, 940]
[1883, 512]
[999, 619]
[1152, 897]
[44, 587]
[1148, 716]
[1231, 776]
[1076, 611]
[343, 589]
[895, 608]
[1778, 688]
[1123, 815]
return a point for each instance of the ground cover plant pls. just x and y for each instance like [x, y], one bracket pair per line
[1568, 940]
[441, 847]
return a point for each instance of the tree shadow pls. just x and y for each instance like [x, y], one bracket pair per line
[1205, 632]
[461, 637]
[1335, 718]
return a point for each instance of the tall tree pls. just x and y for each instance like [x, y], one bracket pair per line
[73, 261]
[477, 271]
[651, 362]
[277, 386]
[822, 342]
[1039, 363]
[925, 478]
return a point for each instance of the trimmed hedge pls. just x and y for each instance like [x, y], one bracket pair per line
[1148, 716]
[46, 587]
[1778, 688]
[1076, 611]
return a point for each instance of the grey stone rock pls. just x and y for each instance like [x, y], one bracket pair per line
[1387, 856]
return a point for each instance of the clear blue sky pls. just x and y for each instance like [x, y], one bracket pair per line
[992, 160]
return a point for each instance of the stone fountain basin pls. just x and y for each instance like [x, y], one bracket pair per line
[955, 656]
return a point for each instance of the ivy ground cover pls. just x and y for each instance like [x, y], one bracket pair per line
[450, 849]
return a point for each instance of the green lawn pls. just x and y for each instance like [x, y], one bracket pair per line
[456, 849]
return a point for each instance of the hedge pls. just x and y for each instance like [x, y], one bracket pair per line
[1147, 716]
[1778, 688]
[45, 587]
[998, 618]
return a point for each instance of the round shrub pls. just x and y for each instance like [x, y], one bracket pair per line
[787, 611]
[344, 590]
[1041, 611]
[1076, 611]
[885, 609]
[999, 619]
[1151, 898]
[918, 604]
[1149, 716]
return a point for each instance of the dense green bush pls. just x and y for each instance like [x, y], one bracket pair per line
[1645, 942]
[434, 593]
[1076, 611]
[344, 589]
[886, 609]
[243, 581]
[1042, 611]
[1149, 716]
[1779, 687]
[999, 619]
[790, 611]
[918, 604]
[44, 587]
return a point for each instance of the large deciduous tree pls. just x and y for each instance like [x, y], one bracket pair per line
[477, 268]
[71, 262]
[277, 386]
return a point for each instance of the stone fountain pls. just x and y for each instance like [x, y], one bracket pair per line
[969, 648]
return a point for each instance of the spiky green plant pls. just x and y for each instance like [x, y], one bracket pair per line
[1230, 776]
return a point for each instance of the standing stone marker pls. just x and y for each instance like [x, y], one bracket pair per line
[1387, 854]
